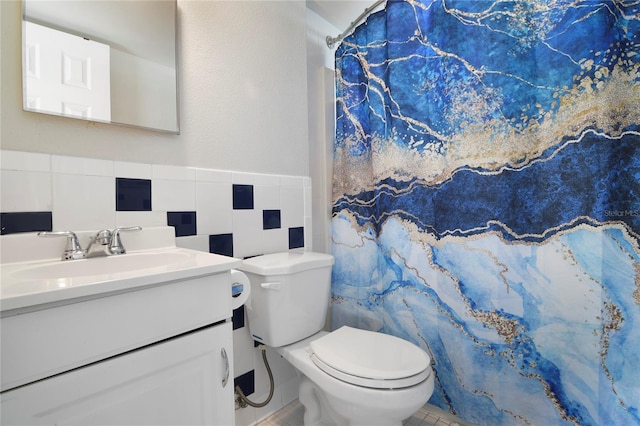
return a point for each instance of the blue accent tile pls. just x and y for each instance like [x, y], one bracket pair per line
[242, 197]
[296, 237]
[238, 318]
[133, 194]
[270, 219]
[246, 382]
[221, 244]
[13, 223]
[184, 222]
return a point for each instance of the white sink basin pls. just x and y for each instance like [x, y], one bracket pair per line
[26, 284]
[100, 266]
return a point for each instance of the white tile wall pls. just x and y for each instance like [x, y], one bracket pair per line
[214, 207]
[17, 160]
[173, 195]
[133, 170]
[24, 190]
[83, 202]
[80, 193]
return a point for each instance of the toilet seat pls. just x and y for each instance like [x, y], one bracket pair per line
[370, 359]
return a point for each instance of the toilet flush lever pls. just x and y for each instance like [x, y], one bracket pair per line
[272, 286]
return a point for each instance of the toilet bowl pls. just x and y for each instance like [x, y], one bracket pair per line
[329, 400]
[348, 376]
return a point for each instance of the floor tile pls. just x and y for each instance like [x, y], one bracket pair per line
[293, 415]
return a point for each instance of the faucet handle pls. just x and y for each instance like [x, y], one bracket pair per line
[73, 250]
[116, 247]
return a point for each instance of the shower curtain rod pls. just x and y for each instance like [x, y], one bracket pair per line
[331, 41]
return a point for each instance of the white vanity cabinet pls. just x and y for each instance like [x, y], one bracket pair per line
[176, 382]
[147, 345]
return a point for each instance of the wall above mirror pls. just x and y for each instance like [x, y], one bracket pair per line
[109, 61]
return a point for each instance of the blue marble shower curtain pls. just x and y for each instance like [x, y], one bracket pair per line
[487, 201]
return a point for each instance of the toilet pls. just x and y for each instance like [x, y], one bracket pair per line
[348, 376]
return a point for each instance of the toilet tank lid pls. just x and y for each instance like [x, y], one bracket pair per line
[286, 263]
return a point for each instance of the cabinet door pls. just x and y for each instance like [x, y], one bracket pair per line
[181, 381]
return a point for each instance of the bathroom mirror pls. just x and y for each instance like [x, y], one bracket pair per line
[110, 61]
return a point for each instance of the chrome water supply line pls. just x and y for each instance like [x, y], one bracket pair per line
[243, 401]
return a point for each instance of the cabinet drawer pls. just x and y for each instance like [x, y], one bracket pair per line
[50, 341]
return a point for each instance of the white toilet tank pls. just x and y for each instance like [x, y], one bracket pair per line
[290, 295]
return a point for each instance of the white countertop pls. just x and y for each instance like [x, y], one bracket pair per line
[27, 284]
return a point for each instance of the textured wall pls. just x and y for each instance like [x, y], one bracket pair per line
[243, 94]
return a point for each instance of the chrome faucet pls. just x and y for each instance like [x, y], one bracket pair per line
[102, 237]
[110, 239]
